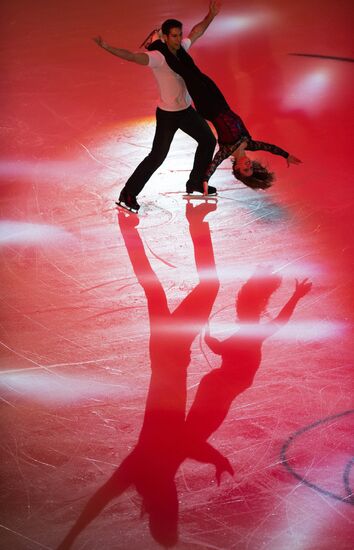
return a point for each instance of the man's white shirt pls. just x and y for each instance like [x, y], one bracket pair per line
[173, 92]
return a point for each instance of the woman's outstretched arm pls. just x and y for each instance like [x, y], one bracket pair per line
[253, 145]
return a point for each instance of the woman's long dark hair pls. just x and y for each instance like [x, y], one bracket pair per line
[261, 178]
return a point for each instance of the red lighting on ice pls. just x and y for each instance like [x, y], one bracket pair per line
[181, 376]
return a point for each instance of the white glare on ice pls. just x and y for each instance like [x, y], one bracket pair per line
[25, 233]
[50, 388]
[309, 92]
[304, 331]
[233, 24]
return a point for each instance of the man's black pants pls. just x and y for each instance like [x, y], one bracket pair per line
[167, 124]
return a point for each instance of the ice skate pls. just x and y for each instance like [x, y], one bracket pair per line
[201, 198]
[128, 202]
[207, 191]
[203, 188]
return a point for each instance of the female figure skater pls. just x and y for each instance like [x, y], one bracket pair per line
[233, 136]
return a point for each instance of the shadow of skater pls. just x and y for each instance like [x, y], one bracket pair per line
[152, 465]
[241, 356]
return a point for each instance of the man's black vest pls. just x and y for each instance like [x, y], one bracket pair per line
[207, 98]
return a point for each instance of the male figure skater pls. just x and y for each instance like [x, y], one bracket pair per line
[173, 112]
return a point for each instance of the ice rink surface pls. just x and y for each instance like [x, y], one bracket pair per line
[140, 409]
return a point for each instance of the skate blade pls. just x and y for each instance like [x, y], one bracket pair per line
[201, 197]
[126, 208]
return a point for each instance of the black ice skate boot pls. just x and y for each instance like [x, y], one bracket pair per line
[128, 201]
[203, 188]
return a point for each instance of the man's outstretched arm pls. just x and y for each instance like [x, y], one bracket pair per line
[200, 28]
[140, 57]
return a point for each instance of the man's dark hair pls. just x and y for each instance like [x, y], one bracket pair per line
[170, 24]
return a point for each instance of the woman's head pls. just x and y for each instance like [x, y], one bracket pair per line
[252, 173]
